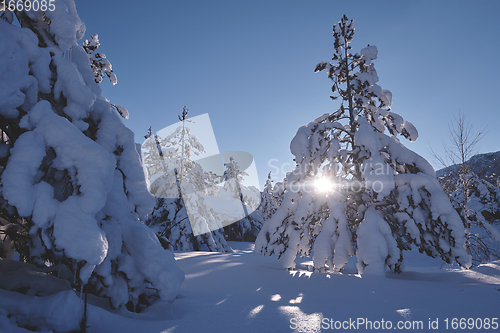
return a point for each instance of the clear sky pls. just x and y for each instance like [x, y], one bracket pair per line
[250, 65]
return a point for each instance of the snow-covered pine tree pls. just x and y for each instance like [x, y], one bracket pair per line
[356, 190]
[205, 221]
[271, 198]
[213, 181]
[169, 218]
[267, 204]
[477, 202]
[475, 199]
[177, 181]
[279, 192]
[248, 227]
[152, 160]
[71, 174]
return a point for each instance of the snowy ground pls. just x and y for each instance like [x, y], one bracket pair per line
[245, 292]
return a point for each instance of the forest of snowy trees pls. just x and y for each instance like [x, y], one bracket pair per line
[87, 212]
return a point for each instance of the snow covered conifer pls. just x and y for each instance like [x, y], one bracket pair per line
[272, 196]
[177, 181]
[356, 190]
[249, 226]
[268, 203]
[475, 199]
[71, 172]
[169, 218]
[478, 202]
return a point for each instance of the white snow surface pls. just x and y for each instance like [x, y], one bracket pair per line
[60, 312]
[369, 53]
[65, 24]
[375, 244]
[245, 292]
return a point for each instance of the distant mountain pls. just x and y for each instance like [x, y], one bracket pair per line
[486, 166]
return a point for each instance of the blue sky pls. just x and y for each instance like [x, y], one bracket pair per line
[250, 65]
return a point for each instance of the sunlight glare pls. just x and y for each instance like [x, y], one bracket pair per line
[323, 185]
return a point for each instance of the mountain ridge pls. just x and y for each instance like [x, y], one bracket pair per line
[486, 166]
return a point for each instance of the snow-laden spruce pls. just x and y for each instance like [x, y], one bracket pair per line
[356, 189]
[73, 175]
[474, 197]
[194, 205]
[478, 203]
[180, 184]
[271, 198]
[247, 228]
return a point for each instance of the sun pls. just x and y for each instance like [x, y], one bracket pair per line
[323, 185]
